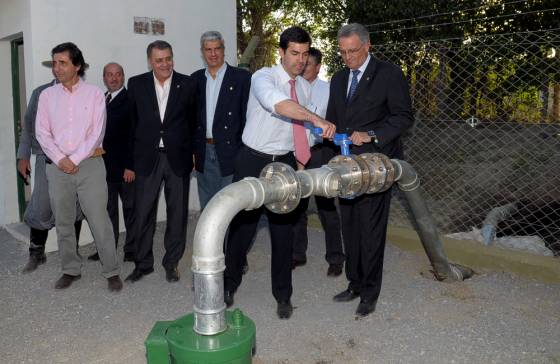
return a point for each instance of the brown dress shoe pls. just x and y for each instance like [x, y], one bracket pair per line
[346, 296]
[334, 270]
[114, 283]
[284, 310]
[298, 263]
[66, 281]
[172, 275]
[365, 308]
[33, 262]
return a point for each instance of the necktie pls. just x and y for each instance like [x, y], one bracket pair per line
[108, 98]
[300, 136]
[353, 84]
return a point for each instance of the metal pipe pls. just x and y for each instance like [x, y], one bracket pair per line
[208, 257]
[409, 182]
[280, 189]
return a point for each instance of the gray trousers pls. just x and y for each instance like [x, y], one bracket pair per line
[88, 186]
[38, 214]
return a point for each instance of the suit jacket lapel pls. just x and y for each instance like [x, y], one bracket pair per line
[366, 78]
[174, 91]
[227, 86]
[117, 100]
[151, 93]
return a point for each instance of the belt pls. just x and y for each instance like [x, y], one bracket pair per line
[270, 157]
[210, 141]
[315, 147]
[98, 152]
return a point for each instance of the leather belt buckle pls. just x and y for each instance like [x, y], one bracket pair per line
[210, 141]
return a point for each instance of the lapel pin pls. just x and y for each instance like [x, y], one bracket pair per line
[367, 79]
[231, 88]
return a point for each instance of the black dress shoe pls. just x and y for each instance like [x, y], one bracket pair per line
[334, 270]
[298, 263]
[228, 298]
[284, 310]
[172, 275]
[114, 283]
[346, 296]
[66, 281]
[94, 257]
[137, 274]
[33, 262]
[365, 308]
[128, 257]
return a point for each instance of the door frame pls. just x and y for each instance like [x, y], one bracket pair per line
[14, 45]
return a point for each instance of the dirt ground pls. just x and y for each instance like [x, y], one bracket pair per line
[495, 317]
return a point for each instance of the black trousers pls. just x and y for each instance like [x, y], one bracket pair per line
[328, 216]
[364, 228]
[176, 190]
[38, 239]
[126, 192]
[242, 230]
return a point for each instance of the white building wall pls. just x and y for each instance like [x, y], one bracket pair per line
[103, 30]
[14, 20]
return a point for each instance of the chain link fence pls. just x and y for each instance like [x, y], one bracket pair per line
[487, 131]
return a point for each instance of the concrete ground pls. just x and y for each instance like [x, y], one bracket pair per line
[495, 317]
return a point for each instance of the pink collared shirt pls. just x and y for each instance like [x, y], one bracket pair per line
[71, 124]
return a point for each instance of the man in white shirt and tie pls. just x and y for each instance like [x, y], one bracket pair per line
[274, 130]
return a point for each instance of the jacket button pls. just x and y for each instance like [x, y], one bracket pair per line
[227, 142]
[225, 127]
[229, 113]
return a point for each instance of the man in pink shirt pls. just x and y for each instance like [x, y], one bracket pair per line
[70, 128]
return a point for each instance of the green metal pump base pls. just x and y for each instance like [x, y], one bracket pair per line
[175, 342]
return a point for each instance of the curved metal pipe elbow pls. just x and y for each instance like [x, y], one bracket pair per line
[208, 261]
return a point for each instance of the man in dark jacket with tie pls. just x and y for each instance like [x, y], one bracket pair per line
[116, 144]
[369, 100]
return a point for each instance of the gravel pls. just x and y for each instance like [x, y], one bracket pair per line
[494, 317]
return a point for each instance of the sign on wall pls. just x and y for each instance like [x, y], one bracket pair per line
[152, 26]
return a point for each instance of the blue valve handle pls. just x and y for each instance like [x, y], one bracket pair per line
[343, 142]
[339, 139]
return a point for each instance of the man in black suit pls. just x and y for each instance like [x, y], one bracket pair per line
[163, 115]
[224, 92]
[116, 144]
[369, 100]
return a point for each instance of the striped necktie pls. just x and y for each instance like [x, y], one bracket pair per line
[301, 144]
[353, 84]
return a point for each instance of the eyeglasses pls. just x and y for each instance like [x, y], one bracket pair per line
[349, 52]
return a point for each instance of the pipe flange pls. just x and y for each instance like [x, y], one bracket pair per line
[353, 176]
[289, 187]
[382, 172]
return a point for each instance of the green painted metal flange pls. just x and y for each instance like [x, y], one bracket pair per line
[175, 342]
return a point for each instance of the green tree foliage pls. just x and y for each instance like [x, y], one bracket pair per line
[484, 58]
[267, 18]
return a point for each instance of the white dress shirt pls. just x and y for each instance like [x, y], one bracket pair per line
[162, 93]
[266, 131]
[320, 91]
[213, 86]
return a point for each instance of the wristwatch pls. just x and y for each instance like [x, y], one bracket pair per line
[371, 133]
